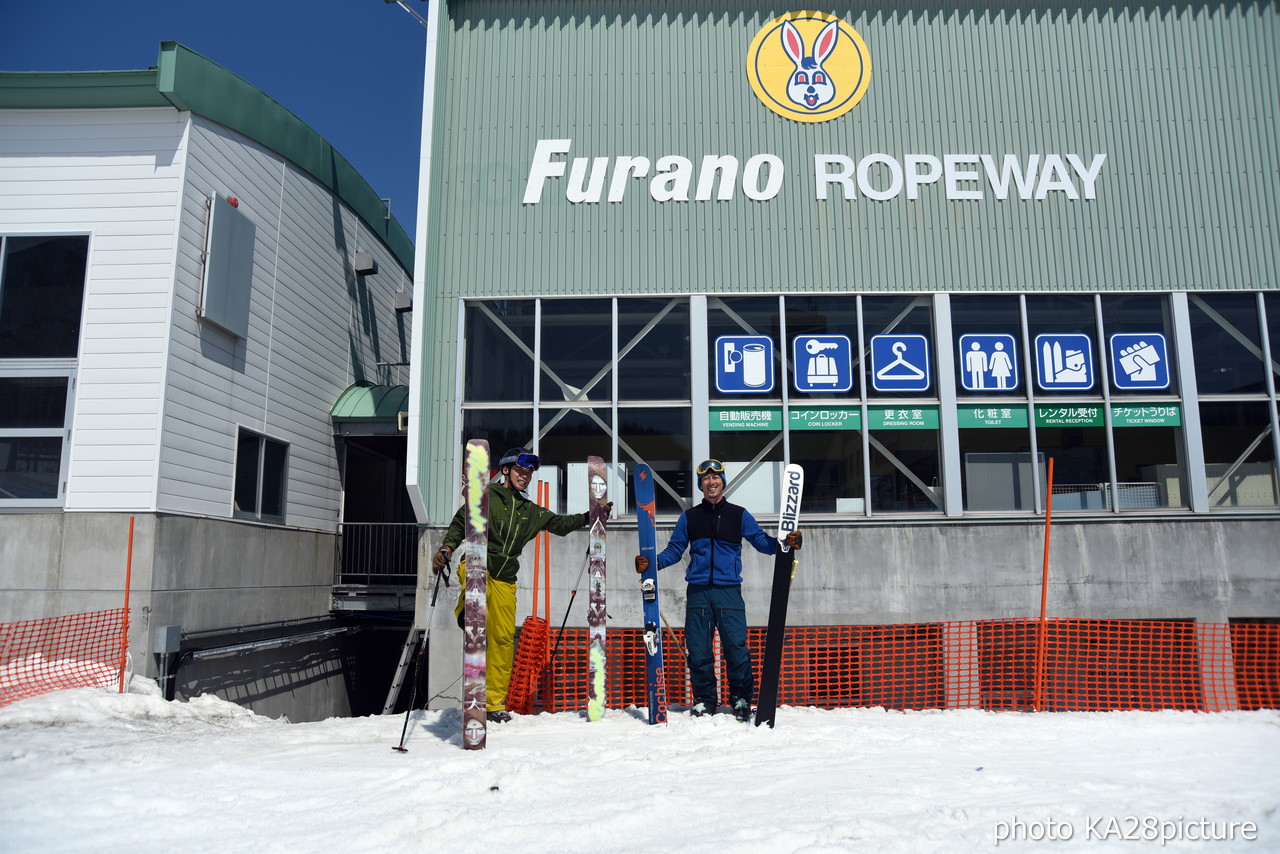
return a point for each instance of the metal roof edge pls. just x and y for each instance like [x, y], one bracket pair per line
[188, 81]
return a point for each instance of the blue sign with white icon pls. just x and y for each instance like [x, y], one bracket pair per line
[744, 364]
[988, 362]
[822, 363]
[900, 363]
[1139, 361]
[1064, 362]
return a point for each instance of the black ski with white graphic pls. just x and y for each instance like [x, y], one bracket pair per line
[784, 569]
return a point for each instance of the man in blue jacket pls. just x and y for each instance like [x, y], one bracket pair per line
[713, 532]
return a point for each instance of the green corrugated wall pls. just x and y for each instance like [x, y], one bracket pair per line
[1181, 98]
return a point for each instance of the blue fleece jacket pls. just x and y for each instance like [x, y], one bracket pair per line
[713, 534]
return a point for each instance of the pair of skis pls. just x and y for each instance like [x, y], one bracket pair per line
[475, 639]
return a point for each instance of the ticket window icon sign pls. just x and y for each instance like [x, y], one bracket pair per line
[744, 364]
[822, 363]
[1139, 361]
[1064, 362]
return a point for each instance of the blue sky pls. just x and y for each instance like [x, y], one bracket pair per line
[351, 69]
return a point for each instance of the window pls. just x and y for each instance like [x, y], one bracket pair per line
[261, 472]
[41, 296]
[42, 281]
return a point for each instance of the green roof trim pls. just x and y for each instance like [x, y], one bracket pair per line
[363, 402]
[188, 81]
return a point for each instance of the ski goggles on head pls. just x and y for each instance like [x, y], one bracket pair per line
[710, 467]
[524, 461]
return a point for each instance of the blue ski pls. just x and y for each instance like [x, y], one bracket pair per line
[655, 681]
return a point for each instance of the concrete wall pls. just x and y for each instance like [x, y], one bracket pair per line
[196, 573]
[904, 572]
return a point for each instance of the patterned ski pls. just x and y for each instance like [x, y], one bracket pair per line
[784, 569]
[655, 682]
[474, 638]
[598, 490]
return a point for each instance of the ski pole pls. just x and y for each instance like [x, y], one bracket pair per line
[672, 633]
[573, 593]
[424, 652]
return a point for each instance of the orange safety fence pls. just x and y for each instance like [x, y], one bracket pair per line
[77, 651]
[1088, 665]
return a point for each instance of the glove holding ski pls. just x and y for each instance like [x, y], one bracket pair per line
[441, 561]
[795, 540]
[642, 563]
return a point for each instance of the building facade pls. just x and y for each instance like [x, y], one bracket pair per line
[957, 261]
[190, 277]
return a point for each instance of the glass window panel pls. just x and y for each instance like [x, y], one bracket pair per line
[822, 315]
[661, 438]
[992, 314]
[657, 366]
[754, 487]
[1149, 467]
[744, 316]
[1063, 314]
[568, 437]
[905, 471]
[248, 450]
[577, 349]
[1136, 314]
[30, 466]
[1238, 454]
[499, 351]
[33, 402]
[274, 471]
[900, 315]
[996, 469]
[1228, 344]
[41, 296]
[832, 463]
[1080, 473]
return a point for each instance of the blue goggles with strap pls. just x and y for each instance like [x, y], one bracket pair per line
[524, 461]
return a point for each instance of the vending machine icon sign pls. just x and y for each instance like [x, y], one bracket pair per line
[744, 364]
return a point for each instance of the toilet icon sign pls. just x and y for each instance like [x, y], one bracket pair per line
[988, 362]
[744, 364]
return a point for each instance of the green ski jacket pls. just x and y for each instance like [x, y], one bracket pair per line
[513, 521]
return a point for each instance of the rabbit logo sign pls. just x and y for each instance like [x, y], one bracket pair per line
[808, 66]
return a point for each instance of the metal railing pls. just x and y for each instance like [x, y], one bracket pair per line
[378, 553]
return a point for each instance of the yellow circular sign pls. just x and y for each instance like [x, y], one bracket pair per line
[808, 66]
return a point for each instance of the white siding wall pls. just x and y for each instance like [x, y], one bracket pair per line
[314, 328]
[115, 175]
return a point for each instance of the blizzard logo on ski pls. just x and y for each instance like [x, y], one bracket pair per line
[793, 485]
[808, 66]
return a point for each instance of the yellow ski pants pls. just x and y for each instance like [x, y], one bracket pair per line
[500, 635]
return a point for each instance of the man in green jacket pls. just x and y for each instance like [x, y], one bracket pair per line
[514, 521]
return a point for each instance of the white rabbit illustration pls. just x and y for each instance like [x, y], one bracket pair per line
[810, 86]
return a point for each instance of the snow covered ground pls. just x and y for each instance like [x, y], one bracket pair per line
[89, 770]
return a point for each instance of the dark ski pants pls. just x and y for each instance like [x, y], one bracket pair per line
[711, 608]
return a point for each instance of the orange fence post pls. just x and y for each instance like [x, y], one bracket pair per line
[1038, 688]
[128, 585]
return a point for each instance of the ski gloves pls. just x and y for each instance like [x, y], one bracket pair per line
[440, 562]
[794, 540]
